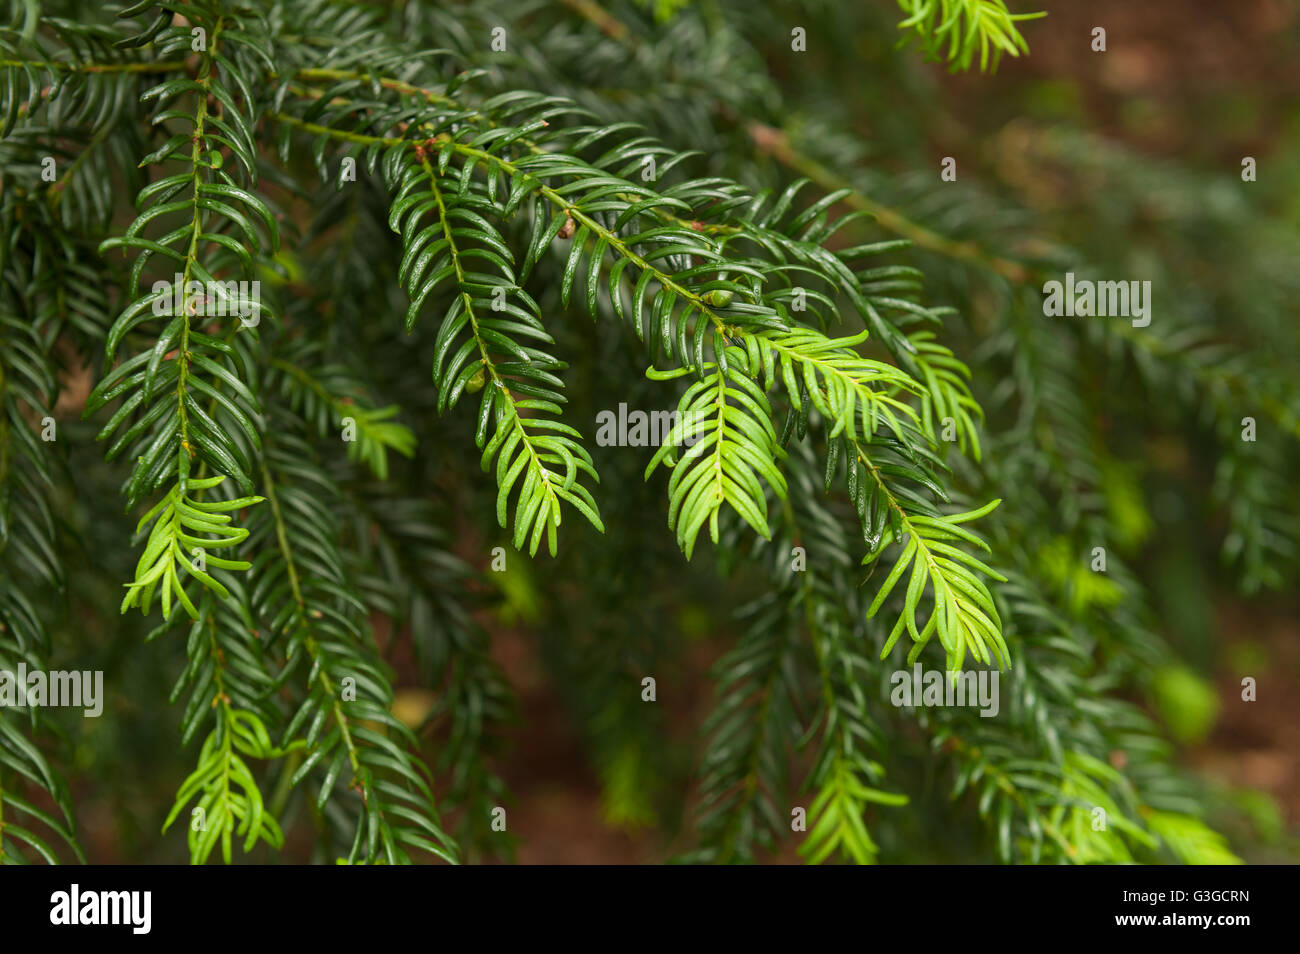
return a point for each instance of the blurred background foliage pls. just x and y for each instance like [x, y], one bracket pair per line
[1121, 165]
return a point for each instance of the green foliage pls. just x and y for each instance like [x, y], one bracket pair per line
[623, 207]
[964, 616]
[733, 441]
[177, 520]
[1190, 840]
[221, 810]
[965, 26]
[1188, 705]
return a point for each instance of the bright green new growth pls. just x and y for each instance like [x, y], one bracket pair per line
[965, 26]
[177, 520]
[221, 812]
